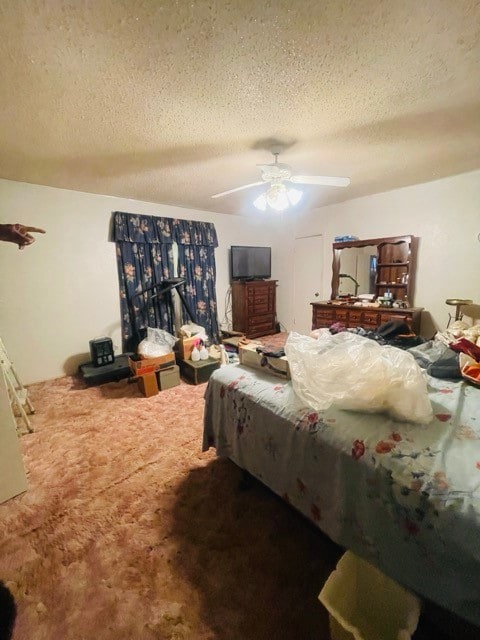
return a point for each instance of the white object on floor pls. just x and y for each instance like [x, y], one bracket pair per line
[12, 474]
[363, 604]
[18, 394]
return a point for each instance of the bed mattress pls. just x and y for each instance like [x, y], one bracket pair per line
[403, 496]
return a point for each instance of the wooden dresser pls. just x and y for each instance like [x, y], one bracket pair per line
[325, 314]
[253, 307]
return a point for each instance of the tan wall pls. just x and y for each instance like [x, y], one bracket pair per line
[62, 291]
[443, 214]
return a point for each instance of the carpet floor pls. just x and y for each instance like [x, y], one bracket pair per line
[129, 531]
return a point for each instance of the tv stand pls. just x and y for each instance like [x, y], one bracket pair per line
[254, 307]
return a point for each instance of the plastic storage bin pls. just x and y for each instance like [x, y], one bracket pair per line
[363, 604]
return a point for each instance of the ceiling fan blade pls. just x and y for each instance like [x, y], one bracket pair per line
[327, 181]
[245, 186]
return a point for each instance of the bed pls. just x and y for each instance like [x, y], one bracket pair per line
[403, 496]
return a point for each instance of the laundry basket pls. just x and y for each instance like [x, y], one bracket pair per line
[363, 604]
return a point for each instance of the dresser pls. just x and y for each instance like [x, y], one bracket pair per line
[324, 314]
[253, 307]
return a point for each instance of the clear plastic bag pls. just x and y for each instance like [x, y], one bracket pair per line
[157, 343]
[355, 373]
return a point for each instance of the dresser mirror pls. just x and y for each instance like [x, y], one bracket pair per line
[373, 267]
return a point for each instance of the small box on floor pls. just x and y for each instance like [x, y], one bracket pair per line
[198, 372]
[168, 378]
[148, 384]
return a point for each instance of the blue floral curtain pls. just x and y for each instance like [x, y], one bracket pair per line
[145, 258]
[196, 263]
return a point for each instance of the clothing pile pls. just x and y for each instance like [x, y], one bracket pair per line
[395, 333]
[441, 356]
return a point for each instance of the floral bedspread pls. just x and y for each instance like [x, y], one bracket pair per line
[403, 496]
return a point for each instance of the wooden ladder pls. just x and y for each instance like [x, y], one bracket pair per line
[21, 403]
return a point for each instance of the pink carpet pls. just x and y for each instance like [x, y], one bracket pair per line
[129, 531]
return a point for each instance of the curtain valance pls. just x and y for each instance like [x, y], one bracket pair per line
[193, 232]
[131, 227]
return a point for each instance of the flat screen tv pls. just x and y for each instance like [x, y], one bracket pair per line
[250, 263]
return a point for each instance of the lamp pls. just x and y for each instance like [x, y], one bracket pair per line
[278, 197]
[457, 303]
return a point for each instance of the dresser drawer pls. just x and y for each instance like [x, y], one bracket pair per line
[260, 326]
[321, 314]
[355, 316]
[258, 306]
[370, 318]
[321, 317]
[387, 317]
[341, 315]
[265, 319]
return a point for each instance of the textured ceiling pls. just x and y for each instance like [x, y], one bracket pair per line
[171, 102]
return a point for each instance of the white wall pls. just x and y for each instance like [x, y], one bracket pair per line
[444, 215]
[63, 290]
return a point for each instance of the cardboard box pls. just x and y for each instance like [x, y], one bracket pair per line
[168, 378]
[275, 366]
[184, 347]
[148, 384]
[143, 366]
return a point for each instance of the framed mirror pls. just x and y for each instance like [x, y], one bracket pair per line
[373, 267]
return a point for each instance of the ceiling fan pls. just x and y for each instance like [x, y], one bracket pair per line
[280, 195]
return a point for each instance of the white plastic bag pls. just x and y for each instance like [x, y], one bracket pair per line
[355, 373]
[157, 343]
[190, 329]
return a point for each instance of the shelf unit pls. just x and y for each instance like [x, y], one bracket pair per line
[393, 267]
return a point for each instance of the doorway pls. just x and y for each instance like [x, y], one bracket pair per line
[307, 280]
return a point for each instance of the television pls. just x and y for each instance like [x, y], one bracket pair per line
[250, 263]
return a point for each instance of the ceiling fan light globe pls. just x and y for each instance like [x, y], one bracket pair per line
[294, 196]
[280, 204]
[260, 202]
[277, 197]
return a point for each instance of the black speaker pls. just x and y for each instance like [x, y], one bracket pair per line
[101, 351]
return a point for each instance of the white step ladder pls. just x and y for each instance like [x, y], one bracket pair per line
[19, 399]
